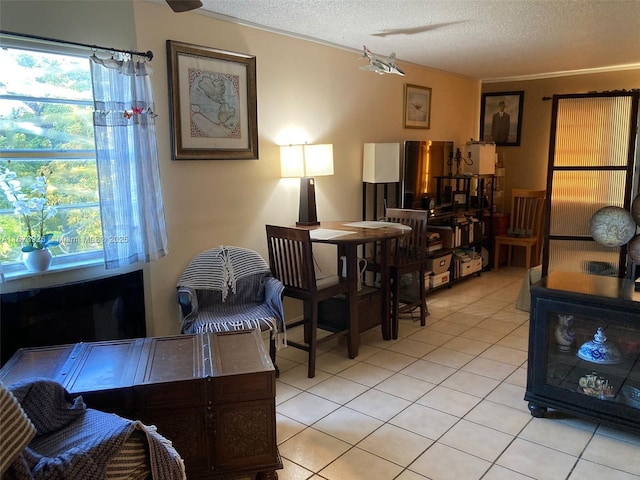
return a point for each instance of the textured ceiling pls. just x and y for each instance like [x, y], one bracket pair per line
[483, 39]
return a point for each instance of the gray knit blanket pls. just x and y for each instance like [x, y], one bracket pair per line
[76, 442]
[230, 288]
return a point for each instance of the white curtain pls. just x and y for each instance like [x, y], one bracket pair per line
[132, 210]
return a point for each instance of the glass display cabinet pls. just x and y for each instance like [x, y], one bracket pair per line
[584, 348]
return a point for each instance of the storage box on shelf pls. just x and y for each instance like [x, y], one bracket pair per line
[440, 263]
[439, 279]
[466, 262]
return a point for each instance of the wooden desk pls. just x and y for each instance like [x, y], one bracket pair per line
[212, 395]
[348, 246]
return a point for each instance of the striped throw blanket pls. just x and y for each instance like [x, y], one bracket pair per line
[230, 288]
[73, 441]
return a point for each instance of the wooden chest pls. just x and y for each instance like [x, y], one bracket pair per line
[212, 395]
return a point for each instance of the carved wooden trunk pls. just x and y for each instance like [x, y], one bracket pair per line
[212, 395]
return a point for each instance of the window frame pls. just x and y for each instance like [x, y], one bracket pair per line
[16, 269]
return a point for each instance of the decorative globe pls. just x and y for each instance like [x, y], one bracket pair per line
[612, 226]
[634, 249]
[635, 209]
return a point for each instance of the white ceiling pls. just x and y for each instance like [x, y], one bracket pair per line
[484, 39]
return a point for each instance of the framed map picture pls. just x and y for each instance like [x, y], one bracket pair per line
[212, 98]
[417, 106]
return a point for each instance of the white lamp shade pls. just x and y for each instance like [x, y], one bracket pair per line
[381, 163]
[306, 160]
[292, 161]
[318, 160]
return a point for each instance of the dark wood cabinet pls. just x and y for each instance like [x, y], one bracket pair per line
[584, 348]
[212, 395]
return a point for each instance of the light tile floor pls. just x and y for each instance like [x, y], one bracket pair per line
[443, 402]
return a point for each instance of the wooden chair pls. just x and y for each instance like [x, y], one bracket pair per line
[527, 207]
[291, 262]
[408, 255]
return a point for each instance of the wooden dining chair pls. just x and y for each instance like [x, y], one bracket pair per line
[408, 255]
[524, 228]
[291, 262]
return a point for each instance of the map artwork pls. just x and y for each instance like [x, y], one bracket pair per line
[214, 100]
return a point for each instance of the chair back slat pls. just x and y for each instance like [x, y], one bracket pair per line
[291, 257]
[414, 244]
[527, 207]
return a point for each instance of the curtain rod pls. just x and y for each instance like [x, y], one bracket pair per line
[593, 92]
[148, 54]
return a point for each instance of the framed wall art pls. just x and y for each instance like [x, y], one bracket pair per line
[501, 118]
[417, 106]
[212, 98]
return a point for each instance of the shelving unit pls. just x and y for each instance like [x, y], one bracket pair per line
[462, 214]
[463, 219]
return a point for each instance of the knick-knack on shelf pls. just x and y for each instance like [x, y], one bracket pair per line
[564, 333]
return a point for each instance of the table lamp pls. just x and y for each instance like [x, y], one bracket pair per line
[306, 162]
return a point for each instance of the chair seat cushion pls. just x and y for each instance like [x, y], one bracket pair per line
[325, 281]
[228, 317]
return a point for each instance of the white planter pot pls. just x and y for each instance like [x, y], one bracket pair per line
[38, 260]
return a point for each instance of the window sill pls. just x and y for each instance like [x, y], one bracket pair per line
[53, 269]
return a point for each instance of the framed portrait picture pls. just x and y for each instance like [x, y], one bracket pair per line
[417, 106]
[501, 118]
[212, 98]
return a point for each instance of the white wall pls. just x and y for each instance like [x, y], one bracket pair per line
[302, 86]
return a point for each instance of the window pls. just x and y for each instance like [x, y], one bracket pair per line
[46, 110]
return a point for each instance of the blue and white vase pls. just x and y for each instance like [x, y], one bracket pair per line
[599, 350]
[564, 333]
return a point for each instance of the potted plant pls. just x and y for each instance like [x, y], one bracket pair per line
[35, 210]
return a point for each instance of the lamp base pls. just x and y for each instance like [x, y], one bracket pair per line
[307, 215]
[307, 224]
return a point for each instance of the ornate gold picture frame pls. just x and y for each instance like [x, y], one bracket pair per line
[212, 99]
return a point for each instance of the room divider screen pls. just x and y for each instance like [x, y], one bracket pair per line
[592, 154]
